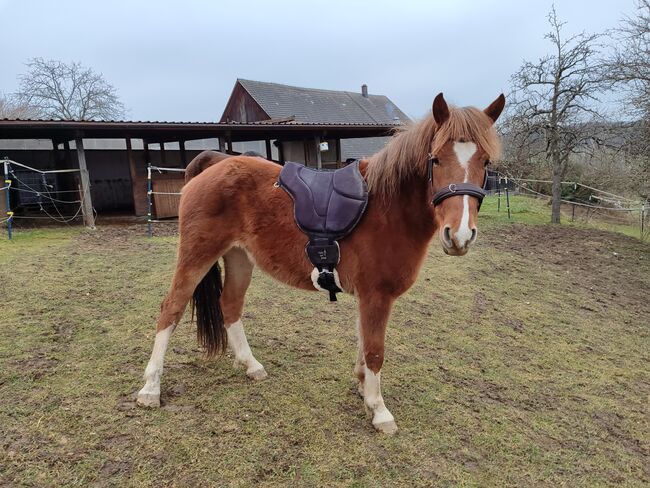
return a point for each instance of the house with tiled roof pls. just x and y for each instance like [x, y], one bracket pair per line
[256, 101]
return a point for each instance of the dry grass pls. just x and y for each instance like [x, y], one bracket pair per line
[524, 363]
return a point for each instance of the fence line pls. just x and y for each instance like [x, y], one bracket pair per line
[45, 194]
[641, 207]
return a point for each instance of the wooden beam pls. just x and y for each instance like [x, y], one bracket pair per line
[183, 154]
[269, 153]
[86, 200]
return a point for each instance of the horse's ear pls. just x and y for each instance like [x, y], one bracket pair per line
[440, 109]
[495, 108]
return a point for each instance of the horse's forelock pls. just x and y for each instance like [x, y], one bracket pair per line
[406, 154]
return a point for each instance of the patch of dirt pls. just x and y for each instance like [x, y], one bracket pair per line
[38, 365]
[63, 331]
[481, 303]
[125, 232]
[590, 259]
[112, 468]
[515, 324]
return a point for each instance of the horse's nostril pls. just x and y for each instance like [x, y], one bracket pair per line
[473, 238]
[446, 236]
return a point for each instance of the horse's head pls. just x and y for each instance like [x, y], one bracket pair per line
[464, 142]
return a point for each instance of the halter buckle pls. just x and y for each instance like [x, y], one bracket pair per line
[452, 187]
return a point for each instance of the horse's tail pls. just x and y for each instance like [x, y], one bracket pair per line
[206, 307]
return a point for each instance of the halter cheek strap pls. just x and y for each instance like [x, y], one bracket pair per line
[455, 189]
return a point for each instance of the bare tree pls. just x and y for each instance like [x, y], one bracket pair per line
[630, 63]
[68, 91]
[629, 69]
[10, 108]
[553, 102]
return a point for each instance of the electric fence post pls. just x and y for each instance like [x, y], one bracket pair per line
[10, 214]
[498, 193]
[149, 190]
[507, 199]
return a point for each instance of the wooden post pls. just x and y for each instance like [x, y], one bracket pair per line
[269, 154]
[66, 154]
[134, 174]
[280, 152]
[228, 143]
[163, 157]
[305, 152]
[145, 148]
[319, 161]
[573, 212]
[183, 154]
[508, 199]
[339, 157]
[642, 221]
[86, 200]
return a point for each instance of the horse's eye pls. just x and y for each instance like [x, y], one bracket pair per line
[487, 162]
[434, 161]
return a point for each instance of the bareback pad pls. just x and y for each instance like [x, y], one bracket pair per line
[327, 207]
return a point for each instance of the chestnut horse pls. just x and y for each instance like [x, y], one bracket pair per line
[232, 209]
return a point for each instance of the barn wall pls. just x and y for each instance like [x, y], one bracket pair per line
[111, 185]
[241, 107]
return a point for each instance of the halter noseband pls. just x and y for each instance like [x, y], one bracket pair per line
[455, 189]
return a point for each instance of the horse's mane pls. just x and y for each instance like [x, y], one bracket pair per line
[407, 152]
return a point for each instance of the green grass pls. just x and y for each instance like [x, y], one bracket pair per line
[535, 211]
[524, 363]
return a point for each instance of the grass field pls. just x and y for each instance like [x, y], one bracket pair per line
[525, 363]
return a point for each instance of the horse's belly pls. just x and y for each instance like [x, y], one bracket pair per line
[286, 262]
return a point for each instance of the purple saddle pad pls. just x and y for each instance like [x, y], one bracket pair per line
[326, 203]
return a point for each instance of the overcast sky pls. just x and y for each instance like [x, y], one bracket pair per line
[179, 60]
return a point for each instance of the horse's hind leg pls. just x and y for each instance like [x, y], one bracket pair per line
[192, 266]
[239, 271]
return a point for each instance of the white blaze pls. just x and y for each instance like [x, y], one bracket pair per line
[464, 152]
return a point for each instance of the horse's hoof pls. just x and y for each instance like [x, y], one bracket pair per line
[257, 375]
[149, 400]
[388, 428]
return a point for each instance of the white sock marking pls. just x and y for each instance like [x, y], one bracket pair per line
[464, 152]
[374, 400]
[154, 370]
[241, 349]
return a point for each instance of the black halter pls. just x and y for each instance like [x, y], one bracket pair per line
[455, 189]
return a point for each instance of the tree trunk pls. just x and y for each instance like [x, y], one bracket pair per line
[556, 199]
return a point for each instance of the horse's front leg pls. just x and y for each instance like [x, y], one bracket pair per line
[373, 317]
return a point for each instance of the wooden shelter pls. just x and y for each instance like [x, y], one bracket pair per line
[117, 153]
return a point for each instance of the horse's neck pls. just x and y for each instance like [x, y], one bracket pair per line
[412, 206]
